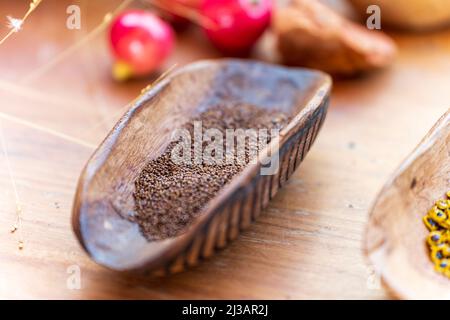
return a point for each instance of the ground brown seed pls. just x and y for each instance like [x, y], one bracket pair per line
[169, 196]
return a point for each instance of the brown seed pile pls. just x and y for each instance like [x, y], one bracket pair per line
[169, 196]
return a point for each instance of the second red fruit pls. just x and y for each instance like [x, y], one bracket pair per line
[236, 25]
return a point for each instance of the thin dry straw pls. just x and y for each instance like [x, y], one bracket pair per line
[74, 139]
[92, 34]
[121, 110]
[15, 27]
[47, 130]
[16, 193]
[36, 95]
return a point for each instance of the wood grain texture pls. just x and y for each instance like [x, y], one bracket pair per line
[395, 241]
[104, 197]
[306, 244]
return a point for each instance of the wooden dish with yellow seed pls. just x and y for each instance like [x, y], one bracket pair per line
[396, 235]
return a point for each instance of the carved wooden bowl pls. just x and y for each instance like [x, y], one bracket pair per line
[105, 191]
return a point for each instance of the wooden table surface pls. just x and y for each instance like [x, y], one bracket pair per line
[307, 244]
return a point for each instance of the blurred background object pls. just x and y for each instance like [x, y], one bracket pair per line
[312, 35]
[410, 14]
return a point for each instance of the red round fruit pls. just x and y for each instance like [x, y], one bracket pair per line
[140, 41]
[236, 24]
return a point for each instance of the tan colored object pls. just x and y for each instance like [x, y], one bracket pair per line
[311, 34]
[395, 240]
[409, 14]
[105, 192]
